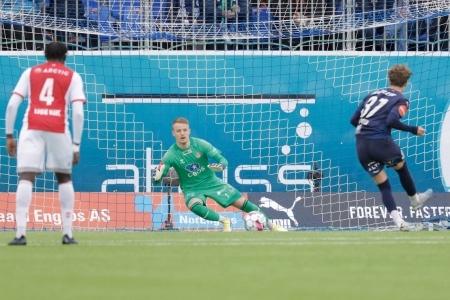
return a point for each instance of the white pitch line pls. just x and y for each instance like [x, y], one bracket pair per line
[263, 241]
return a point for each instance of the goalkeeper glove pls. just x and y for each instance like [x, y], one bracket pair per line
[216, 167]
[158, 172]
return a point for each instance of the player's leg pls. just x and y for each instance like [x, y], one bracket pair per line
[67, 200]
[30, 160]
[200, 209]
[392, 156]
[382, 181]
[59, 160]
[247, 206]
[370, 155]
[407, 181]
[196, 204]
[217, 190]
[23, 199]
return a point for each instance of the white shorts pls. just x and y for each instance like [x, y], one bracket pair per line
[37, 146]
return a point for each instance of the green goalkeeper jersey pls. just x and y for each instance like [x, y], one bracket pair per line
[191, 164]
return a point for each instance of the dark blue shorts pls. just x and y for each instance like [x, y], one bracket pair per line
[375, 154]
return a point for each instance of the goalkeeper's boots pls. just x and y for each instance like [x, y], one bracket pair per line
[226, 225]
[278, 228]
[66, 240]
[405, 226]
[421, 199]
[22, 241]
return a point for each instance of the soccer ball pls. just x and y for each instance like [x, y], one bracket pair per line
[254, 221]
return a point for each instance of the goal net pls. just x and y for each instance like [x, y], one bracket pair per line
[273, 89]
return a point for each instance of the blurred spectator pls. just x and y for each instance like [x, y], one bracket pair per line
[186, 11]
[211, 11]
[66, 12]
[70, 9]
[236, 11]
[224, 11]
[398, 31]
[19, 37]
[373, 11]
[284, 10]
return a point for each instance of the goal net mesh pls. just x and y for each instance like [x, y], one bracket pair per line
[274, 91]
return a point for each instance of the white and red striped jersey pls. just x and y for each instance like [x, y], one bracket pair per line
[50, 87]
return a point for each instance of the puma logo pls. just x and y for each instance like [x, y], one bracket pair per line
[267, 202]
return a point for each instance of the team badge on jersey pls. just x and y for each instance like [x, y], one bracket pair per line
[198, 154]
[402, 110]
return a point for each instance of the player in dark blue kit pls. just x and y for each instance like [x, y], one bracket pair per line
[375, 117]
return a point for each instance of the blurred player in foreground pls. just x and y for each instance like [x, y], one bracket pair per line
[377, 114]
[45, 135]
[189, 157]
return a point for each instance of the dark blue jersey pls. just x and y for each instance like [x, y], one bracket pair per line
[379, 112]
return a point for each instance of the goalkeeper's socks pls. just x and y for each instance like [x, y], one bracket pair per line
[406, 180]
[23, 200]
[67, 198]
[204, 212]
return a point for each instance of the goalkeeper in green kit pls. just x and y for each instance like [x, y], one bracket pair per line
[190, 159]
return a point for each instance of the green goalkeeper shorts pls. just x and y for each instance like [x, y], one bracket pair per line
[216, 189]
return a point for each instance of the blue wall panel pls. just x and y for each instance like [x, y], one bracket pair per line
[247, 134]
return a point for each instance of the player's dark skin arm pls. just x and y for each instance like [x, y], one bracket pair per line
[76, 156]
[11, 145]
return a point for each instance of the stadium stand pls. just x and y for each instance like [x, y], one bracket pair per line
[281, 24]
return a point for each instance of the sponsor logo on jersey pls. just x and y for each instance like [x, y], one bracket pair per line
[56, 71]
[192, 167]
[189, 151]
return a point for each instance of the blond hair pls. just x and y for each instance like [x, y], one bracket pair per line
[180, 121]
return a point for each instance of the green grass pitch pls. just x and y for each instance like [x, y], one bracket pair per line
[235, 265]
